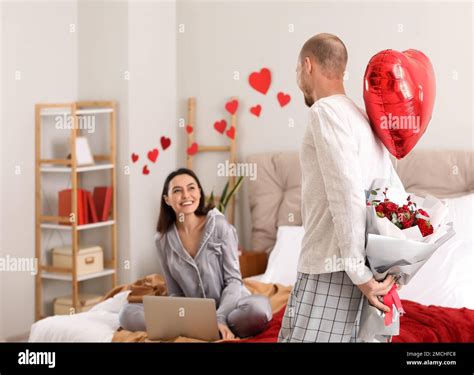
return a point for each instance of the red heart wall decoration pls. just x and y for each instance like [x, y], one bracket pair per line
[165, 142]
[256, 110]
[153, 155]
[231, 133]
[261, 81]
[220, 126]
[283, 99]
[192, 149]
[232, 106]
[134, 157]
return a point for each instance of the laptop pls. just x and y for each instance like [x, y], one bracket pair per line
[170, 317]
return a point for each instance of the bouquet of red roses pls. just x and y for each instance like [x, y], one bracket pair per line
[404, 216]
[403, 231]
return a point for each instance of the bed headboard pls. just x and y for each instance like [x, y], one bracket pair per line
[275, 199]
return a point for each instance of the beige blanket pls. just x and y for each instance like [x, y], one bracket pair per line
[155, 285]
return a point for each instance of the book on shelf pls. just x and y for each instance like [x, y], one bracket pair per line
[87, 212]
[65, 205]
[92, 210]
[85, 206]
[102, 197]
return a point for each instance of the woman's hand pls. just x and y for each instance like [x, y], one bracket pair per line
[225, 331]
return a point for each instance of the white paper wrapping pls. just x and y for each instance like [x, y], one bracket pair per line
[401, 253]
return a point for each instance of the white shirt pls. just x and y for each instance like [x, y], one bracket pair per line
[340, 157]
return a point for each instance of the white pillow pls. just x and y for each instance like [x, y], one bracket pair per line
[447, 278]
[283, 260]
[114, 304]
[461, 213]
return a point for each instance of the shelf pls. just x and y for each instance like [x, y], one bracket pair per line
[79, 112]
[46, 114]
[68, 277]
[79, 227]
[87, 168]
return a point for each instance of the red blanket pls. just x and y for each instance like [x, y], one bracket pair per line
[419, 324]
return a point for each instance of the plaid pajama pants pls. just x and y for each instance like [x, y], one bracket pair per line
[322, 308]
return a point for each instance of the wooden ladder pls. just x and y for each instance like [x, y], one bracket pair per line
[232, 149]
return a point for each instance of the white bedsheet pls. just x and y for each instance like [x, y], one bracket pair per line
[96, 325]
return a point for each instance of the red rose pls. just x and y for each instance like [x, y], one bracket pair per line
[390, 208]
[380, 210]
[408, 223]
[405, 216]
[425, 227]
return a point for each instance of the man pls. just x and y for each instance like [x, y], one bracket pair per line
[340, 157]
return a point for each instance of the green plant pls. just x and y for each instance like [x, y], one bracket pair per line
[226, 196]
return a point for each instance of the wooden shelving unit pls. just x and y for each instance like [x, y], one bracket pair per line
[69, 166]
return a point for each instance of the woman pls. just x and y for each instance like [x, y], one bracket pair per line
[198, 250]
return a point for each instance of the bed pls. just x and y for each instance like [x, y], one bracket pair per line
[439, 300]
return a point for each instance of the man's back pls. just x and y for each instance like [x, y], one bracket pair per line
[340, 157]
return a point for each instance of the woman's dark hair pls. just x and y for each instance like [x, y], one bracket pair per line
[167, 215]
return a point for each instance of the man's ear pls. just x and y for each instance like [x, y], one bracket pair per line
[308, 65]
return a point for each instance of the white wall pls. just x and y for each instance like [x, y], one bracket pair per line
[223, 37]
[1, 170]
[103, 59]
[36, 41]
[110, 39]
[127, 52]
[152, 114]
[472, 68]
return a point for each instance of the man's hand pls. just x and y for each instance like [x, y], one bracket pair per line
[372, 289]
[398, 286]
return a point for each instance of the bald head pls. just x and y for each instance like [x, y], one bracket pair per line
[329, 52]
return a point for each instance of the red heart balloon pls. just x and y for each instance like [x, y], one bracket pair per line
[399, 95]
